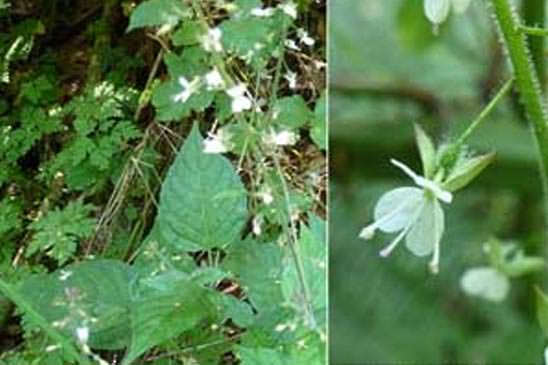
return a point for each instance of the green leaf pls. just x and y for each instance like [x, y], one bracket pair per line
[542, 310]
[257, 355]
[318, 131]
[202, 202]
[427, 152]
[257, 267]
[188, 34]
[466, 171]
[292, 112]
[158, 13]
[59, 231]
[414, 31]
[161, 314]
[92, 289]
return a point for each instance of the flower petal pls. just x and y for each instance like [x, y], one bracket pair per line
[437, 10]
[428, 229]
[397, 207]
[486, 283]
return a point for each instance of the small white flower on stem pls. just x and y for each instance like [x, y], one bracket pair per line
[52, 348]
[214, 80]
[64, 275]
[413, 212]
[290, 43]
[282, 138]
[240, 99]
[217, 143]
[82, 334]
[305, 38]
[262, 13]
[212, 40]
[289, 8]
[189, 88]
[291, 78]
[257, 224]
[265, 194]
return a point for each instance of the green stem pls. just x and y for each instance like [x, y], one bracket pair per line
[534, 14]
[534, 31]
[527, 83]
[24, 306]
[484, 113]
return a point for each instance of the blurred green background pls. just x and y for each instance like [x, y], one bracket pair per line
[388, 70]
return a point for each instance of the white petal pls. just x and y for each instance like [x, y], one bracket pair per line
[240, 104]
[214, 79]
[260, 12]
[290, 8]
[237, 91]
[82, 334]
[460, 6]
[436, 10]
[396, 208]
[486, 283]
[428, 229]
[546, 356]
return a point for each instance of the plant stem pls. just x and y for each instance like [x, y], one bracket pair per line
[527, 83]
[534, 31]
[35, 317]
[485, 112]
[534, 14]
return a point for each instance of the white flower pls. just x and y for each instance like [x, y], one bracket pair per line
[290, 43]
[217, 143]
[546, 356]
[212, 40]
[240, 100]
[291, 78]
[437, 11]
[214, 80]
[189, 88]
[265, 194]
[64, 275]
[413, 212]
[260, 12]
[305, 38]
[485, 282]
[82, 334]
[290, 8]
[257, 223]
[282, 138]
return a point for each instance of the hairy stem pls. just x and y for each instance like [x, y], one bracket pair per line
[527, 83]
[534, 14]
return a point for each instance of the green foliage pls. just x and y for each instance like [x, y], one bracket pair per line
[199, 192]
[59, 232]
[292, 112]
[101, 133]
[157, 13]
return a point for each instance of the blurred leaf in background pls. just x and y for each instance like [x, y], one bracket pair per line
[390, 74]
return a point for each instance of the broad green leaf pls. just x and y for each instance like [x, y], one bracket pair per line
[427, 152]
[291, 112]
[160, 314]
[158, 13]
[542, 310]
[203, 201]
[318, 131]
[427, 230]
[240, 312]
[257, 267]
[486, 283]
[259, 356]
[466, 171]
[397, 207]
[92, 289]
[188, 34]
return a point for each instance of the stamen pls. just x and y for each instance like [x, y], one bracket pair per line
[435, 263]
[385, 252]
